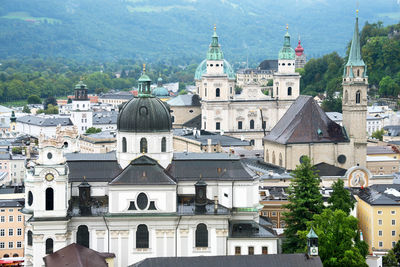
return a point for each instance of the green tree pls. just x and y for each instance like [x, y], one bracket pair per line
[340, 198]
[34, 99]
[378, 134]
[93, 130]
[336, 235]
[26, 109]
[50, 100]
[390, 260]
[305, 200]
[388, 87]
[332, 104]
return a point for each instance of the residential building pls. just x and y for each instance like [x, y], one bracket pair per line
[102, 142]
[378, 216]
[184, 108]
[34, 125]
[383, 160]
[259, 76]
[11, 228]
[115, 98]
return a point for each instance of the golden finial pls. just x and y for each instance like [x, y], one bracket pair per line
[81, 78]
[287, 26]
[84, 178]
[144, 67]
[215, 27]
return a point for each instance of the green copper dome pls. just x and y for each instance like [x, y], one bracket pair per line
[144, 84]
[160, 90]
[214, 51]
[80, 85]
[202, 69]
[287, 52]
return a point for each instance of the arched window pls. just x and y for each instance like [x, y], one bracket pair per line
[163, 144]
[30, 198]
[201, 235]
[124, 144]
[30, 239]
[6, 256]
[358, 73]
[65, 144]
[358, 96]
[15, 255]
[82, 236]
[49, 199]
[142, 236]
[273, 157]
[346, 97]
[49, 246]
[289, 91]
[217, 92]
[143, 145]
[205, 91]
[280, 159]
[251, 124]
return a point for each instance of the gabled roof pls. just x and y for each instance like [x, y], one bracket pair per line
[143, 171]
[78, 256]
[185, 100]
[381, 194]
[275, 260]
[325, 169]
[306, 122]
[45, 120]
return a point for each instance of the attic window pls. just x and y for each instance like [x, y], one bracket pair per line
[319, 132]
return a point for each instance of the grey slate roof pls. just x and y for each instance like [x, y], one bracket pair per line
[143, 171]
[223, 140]
[210, 166]
[12, 203]
[95, 167]
[185, 100]
[249, 229]
[379, 194]
[117, 95]
[271, 260]
[105, 117]
[48, 120]
[393, 130]
[325, 169]
[194, 122]
[372, 150]
[306, 122]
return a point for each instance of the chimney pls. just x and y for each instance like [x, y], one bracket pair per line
[209, 150]
[215, 204]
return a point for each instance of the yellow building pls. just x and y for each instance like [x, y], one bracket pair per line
[11, 228]
[378, 214]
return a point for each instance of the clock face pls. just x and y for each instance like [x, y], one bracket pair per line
[49, 177]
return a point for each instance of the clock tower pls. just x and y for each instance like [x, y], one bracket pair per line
[46, 199]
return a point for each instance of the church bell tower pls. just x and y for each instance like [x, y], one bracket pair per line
[354, 103]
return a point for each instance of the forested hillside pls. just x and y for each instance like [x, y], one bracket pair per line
[178, 31]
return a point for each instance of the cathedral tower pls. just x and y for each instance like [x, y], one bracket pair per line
[355, 85]
[286, 80]
[81, 114]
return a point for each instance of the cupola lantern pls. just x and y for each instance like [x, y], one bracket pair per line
[312, 243]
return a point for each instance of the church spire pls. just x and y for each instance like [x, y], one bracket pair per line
[355, 49]
[144, 84]
[286, 52]
[214, 51]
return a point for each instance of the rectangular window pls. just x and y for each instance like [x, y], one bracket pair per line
[19, 244]
[380, 244]
[264, 250]
[273, 213]
[217, 126]
[237, 251]
[11, 210]
[10, 232]
[20, 218]
[1, 244]
[10, 244]
[251, 250]
[393, 222]
[2, 210]
[379, 222]
[380, 212]
[2, 219]
[11, 218]
[393, 233]
[393, 244]
[380, 233]
[240, 125]
[2, 232]
[19, 231]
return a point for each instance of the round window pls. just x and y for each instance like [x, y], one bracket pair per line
[302, 158]
[30, 198]
[142, 201]
[49, 155]
[341, 159]
[66, 144]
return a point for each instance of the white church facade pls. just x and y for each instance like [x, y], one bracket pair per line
[143, 200]
[250, 114]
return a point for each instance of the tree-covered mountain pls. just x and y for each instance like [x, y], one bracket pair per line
[178, 31]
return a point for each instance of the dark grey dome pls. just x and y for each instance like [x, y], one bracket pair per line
[144, 114]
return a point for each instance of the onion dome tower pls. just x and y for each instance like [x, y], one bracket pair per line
[144, 127]
[286, 80]
[300, 56]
